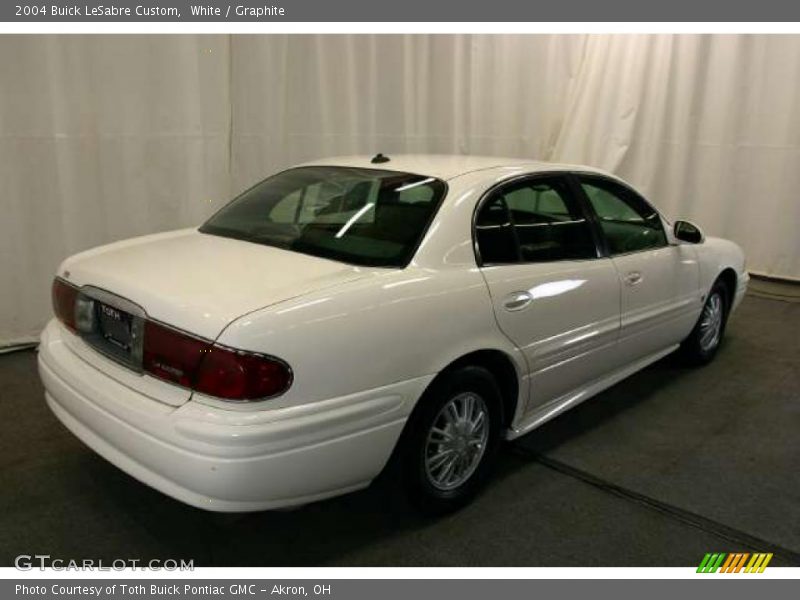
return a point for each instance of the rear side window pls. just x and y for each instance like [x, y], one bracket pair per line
[361, 216]
[497, 243]
[628, 222]
[533, 221]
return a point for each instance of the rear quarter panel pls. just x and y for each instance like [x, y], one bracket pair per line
[368, 334]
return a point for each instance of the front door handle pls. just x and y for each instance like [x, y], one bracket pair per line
[633, 278]
[517, 301]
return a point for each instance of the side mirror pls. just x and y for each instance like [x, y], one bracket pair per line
[688, 232]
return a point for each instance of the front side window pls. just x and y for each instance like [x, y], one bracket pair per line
[361, 216]
[628, 222]
[533, 221]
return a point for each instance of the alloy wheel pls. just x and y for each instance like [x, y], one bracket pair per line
[456, 441]
[711, 322]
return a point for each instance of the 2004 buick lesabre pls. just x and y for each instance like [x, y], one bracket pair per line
[349, 311]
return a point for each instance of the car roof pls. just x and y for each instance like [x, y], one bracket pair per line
[447, 166]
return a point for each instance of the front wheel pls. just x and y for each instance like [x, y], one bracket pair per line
[702, 344]
[452, 439]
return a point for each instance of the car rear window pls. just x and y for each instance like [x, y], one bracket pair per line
[360, 216]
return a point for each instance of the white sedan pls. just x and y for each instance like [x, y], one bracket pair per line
[350, 311]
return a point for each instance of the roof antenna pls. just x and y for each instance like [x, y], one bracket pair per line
[379, 158]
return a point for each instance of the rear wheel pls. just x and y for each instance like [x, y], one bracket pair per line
[702, 344]
[451, 440]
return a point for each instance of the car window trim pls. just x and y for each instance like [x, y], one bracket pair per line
[524, 178]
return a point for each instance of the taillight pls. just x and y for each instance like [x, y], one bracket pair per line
[64, 296]
[238, 375]
[192, 362]
[212, 369]
[172, 355]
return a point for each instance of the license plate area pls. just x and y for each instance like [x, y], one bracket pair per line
[112, 325]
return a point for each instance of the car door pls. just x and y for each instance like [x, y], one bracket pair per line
[554, 296]
[659, 281]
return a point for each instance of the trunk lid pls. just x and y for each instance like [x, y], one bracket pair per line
[200, 283]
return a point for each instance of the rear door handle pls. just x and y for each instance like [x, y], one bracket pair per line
[633, 278]
[517, 301]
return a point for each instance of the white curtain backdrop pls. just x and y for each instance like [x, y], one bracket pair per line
[103, 138]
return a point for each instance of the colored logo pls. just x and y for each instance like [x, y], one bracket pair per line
[737, 562]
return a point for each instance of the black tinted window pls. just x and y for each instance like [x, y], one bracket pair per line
[628, 222]
[496, 242]
[362, 216]
[544, 223]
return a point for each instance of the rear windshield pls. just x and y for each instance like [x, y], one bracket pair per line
[360, 216]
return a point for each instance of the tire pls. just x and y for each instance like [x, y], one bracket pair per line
[455, 426]
[701, 346]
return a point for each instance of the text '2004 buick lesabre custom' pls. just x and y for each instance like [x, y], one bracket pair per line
[351, 311]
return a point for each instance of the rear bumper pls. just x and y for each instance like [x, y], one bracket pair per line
[226, 460]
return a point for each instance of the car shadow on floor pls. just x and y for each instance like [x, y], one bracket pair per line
[591, 414]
